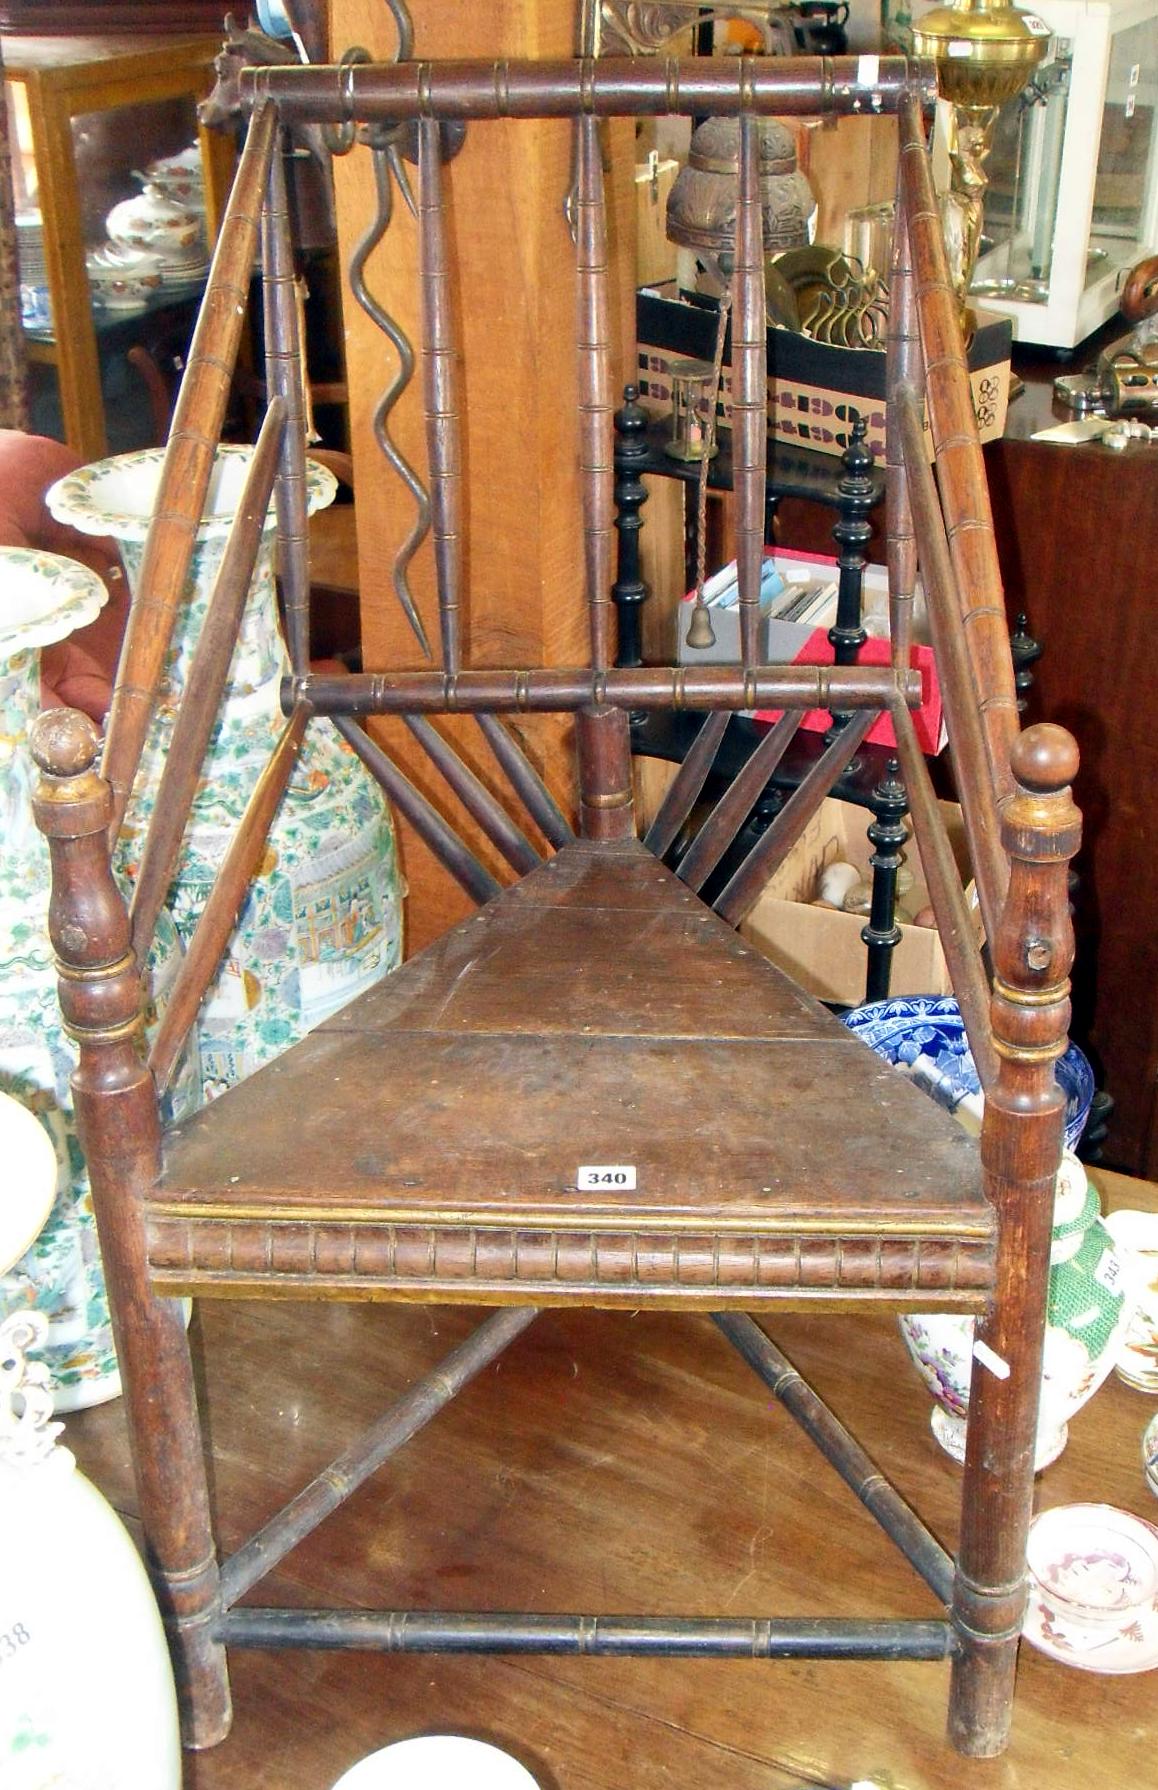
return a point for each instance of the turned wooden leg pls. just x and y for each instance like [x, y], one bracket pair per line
[116, 1110]
[1020, 1147]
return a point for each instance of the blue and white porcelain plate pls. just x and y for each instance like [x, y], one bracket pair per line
[908, 1026]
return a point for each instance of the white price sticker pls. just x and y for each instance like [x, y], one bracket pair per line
[607, 1177]
[991, 1359]
[1035, 26]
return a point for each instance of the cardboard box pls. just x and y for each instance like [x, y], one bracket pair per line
[820, 947]
[815, 393]
[786, 643]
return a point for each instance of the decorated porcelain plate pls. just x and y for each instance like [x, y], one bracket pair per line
[1109, 1559]
[899, 1028]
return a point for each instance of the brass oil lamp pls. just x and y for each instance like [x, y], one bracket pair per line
[985, 52]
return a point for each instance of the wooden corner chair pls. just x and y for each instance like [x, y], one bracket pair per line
[591, 1092]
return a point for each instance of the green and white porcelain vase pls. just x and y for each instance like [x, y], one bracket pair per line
[323, 919]
[1089, 1313]
[43, 597]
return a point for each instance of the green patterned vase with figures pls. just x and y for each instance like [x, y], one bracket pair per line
[323, 917]
[43, 598]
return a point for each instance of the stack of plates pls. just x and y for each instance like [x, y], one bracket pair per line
[183, 267]
[30, 246]
[181, 180]
[35, 309]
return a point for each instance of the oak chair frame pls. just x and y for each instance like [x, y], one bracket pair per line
[1021, 822]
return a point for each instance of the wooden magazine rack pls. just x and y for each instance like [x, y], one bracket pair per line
[512, 1119]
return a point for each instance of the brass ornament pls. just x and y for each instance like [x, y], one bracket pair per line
[701, 207]
[985, 52]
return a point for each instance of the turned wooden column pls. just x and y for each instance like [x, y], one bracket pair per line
[1021, 1141]
[514, 309]
[101, 1002]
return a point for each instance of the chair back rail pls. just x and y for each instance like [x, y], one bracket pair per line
[612, 86]
[286, 379]
[568, 687]
[440, 392]
[196, 431]
[208, 673]
[902, 366]
[960, 470]
[749, 390]
[223, 904]
[962, 716]
[596, 472]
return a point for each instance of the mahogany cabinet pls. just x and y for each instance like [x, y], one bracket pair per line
[1077, 530]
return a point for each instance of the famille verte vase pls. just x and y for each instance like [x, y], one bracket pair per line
[86, 1688]
[1088, 1316]
[323, 918]
[1089, 1301]
[43, 597]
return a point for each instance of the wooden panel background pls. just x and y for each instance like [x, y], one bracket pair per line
[516, 322]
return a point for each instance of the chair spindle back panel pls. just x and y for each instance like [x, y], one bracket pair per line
[922, 343]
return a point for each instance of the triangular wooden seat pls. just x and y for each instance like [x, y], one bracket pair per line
[597, 1016]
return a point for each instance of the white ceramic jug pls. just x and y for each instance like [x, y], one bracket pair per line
[86, 1689]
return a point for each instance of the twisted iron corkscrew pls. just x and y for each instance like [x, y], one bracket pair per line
[385, 144]
[387, 168]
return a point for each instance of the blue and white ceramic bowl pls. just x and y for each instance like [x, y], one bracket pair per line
[928, 1025]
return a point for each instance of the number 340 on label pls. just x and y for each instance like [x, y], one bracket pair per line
[596, 1177]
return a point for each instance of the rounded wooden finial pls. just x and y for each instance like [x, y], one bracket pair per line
[64, 742]
[1139, 296]
[1044, 757]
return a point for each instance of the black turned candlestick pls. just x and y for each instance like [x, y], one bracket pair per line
[1026, 651]
[856, 495]
[887, 834]
[629, 592]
